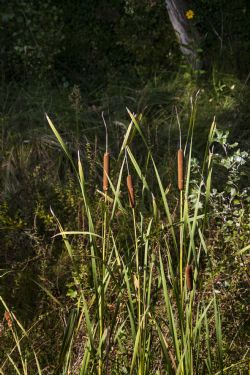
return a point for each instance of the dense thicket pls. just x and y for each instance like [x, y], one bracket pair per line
[94, 42]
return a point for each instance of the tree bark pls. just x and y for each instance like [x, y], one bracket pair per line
[186, 33]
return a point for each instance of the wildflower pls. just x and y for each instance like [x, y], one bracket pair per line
[190, 14]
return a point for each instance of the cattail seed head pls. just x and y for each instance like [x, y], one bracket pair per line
[8, 318]
[105, 171]
[180, 169]
[189, 277]
[131, 194]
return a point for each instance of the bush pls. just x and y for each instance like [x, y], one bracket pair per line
[31, 38]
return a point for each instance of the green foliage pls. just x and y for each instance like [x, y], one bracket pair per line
[98, 42]
[230, 200]
[224, 29]
[91, 42]
[31, 37]
[7, 221]
[147, 38]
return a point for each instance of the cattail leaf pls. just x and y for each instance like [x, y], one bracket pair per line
[84, 370]
[170, 362]
[172, 324]
[116, 192]
[72, 232]
[13, 364]
[166, 206]
[126, 139]
[60, 140]
[137, 169]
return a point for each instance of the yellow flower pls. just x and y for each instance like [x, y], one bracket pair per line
[190, 14]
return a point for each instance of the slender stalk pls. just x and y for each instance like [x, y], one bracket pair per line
[106, 158]
[106, 167]
[180, 160]
[102, 285]
[137, 284]
[181, 242]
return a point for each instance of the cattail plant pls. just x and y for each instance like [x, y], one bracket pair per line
[180, 169]
[189, 277]
[106, 158]
[101, 292]
[120, 314]
[180, 158]
[130, 185]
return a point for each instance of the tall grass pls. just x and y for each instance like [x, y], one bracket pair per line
[144, 309]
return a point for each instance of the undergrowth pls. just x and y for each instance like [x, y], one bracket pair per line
[148, 278]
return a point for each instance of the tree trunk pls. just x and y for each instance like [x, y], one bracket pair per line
[186, 33]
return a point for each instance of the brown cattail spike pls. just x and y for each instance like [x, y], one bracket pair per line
[131, 191]
[189, 277]
[8, 318]
[105, 171]
[180, 169]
